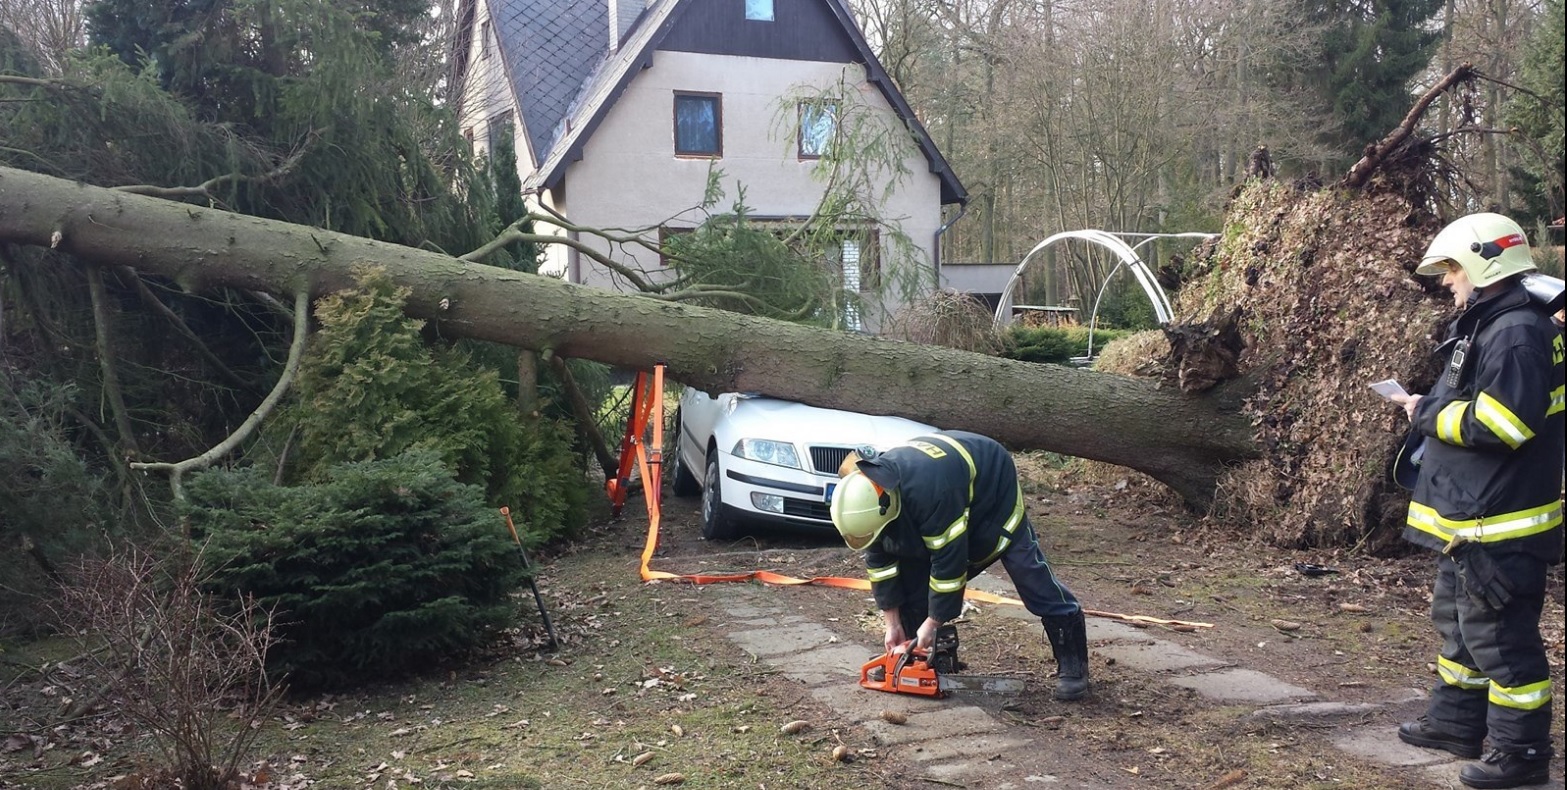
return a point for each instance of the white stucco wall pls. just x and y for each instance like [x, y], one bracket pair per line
[629, 176]
[486, 91]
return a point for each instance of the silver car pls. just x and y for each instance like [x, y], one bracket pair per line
[760, 462]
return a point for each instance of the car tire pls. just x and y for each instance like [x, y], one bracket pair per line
[717, 523]
[684, 483]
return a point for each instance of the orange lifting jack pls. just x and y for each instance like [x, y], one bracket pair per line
[647, 412]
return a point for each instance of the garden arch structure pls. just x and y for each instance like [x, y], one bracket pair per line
[1127, 255]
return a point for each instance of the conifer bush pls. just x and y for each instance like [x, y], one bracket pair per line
[380, 569]
[1053, 345]
[372, 388]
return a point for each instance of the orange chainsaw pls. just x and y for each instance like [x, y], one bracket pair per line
[931, 673]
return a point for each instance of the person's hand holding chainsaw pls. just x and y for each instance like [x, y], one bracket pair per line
[895, 641]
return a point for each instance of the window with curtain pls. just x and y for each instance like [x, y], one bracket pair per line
[699, 124]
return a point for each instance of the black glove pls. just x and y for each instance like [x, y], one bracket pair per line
[1481, 577]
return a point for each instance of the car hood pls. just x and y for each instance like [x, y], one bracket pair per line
[767, 418]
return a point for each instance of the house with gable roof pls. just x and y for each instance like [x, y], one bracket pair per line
[620, 109]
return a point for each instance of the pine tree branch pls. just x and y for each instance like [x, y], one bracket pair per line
[111, 378]
[296, 353]
[586, 422]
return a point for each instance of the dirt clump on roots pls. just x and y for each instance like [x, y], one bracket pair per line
[1321, 289]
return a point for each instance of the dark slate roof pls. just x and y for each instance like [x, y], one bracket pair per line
[556, 52]
[551, 47]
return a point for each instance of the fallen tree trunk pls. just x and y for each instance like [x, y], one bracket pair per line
[1184, 441]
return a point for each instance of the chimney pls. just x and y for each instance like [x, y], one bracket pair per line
[622, 15]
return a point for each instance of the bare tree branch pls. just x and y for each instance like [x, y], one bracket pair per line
[152, 300]
[296, 352]
[1376, 153]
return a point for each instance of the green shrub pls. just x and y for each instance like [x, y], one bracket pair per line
[371, 388]
[383, 568]
[53, 506]
[1052, 345]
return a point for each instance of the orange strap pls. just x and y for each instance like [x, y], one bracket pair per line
[647, 417]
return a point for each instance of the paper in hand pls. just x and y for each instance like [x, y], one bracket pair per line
[1388, 388]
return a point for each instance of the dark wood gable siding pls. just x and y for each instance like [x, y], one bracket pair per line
[800, 30]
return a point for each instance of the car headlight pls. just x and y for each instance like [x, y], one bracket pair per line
[768, 452]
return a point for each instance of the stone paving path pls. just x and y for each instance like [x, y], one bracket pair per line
[943, 737]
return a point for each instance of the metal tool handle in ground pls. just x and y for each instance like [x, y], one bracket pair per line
[549, 627]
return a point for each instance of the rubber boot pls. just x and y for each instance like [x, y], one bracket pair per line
[1068, 636]
[1508, 769]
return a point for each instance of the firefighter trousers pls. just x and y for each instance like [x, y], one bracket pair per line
[1493, 676]
[1037, 586]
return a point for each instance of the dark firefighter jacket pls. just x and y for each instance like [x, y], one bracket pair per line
[1493, 428]
[959, 506]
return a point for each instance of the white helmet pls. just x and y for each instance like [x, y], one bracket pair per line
[1489, 247]
[861, 509]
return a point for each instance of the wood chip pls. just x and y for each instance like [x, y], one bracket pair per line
[1230, 779]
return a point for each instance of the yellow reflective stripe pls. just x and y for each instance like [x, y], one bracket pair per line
[1527, 697]
[1491, 529]
[953, 533]
[1450, 422]
[1017, 514]
[1007, 529]
[882, 574]
[1556, 401]
[1456, 674]
[973, 471]
[1502, 421]
[948, 585]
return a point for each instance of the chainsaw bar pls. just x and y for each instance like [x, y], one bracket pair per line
[979, 684]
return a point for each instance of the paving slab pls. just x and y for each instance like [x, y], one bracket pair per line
[950, 723]
[964, 749]
[1243, 685]
[1102, 629]
[783, 639]
[1316, 711]
[1380, 744]
[746, 611]
[832, 664]
[964, 772]
[861, 704]
[1155, 656]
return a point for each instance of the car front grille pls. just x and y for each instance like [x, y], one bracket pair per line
[826, 460]
[806, 508]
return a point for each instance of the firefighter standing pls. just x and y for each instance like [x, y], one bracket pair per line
[934, 512]
[1487, 499]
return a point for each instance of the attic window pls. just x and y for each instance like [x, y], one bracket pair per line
[484, 39]
[818, 120]
[699, 124]
[759, 10]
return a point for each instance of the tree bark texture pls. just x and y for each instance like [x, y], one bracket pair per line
[1181, 440]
